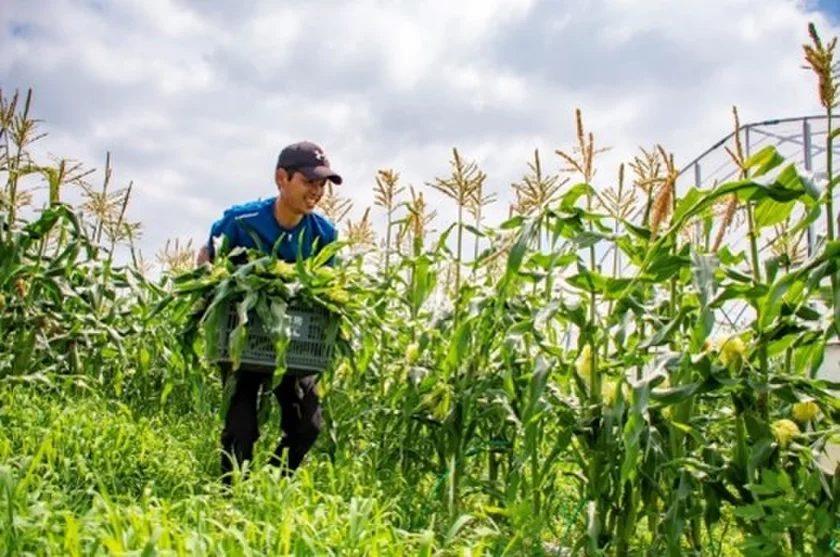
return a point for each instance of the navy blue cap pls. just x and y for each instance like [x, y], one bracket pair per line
[308, 159]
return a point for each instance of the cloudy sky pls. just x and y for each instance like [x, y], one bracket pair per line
[194, 98]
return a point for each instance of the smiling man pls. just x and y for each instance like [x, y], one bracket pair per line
[301, 174]
[278, 222]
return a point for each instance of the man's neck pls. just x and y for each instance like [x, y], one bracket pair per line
[284, 216]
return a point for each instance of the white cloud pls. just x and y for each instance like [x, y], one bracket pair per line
[194, 99]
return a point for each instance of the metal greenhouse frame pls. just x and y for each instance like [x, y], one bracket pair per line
[801, 141]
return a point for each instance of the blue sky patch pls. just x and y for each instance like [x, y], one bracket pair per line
[830, 7]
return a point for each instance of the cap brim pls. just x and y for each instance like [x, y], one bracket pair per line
[322, 173]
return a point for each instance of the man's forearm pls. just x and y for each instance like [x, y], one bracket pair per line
[203, 256]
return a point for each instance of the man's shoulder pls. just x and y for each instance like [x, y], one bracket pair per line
[248, 209]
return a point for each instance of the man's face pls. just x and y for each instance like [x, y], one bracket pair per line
[300, 194]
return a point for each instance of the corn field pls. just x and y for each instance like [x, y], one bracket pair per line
[497, 388]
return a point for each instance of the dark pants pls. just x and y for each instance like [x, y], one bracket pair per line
[300, 418]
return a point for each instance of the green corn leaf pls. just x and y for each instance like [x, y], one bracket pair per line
[766, 159]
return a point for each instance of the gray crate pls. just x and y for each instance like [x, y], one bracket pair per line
[310, 347]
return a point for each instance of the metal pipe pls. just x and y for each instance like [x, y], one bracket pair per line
[751, 125]
[809, 166]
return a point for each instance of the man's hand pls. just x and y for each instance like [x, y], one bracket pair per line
[203, 256]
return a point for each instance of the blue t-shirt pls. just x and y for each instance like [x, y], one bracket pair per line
[252, 225]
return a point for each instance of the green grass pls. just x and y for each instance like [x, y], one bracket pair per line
[86, 475]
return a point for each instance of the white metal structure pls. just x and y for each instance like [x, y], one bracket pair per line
[802, 142]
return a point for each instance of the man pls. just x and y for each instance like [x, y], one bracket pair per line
[300, 175]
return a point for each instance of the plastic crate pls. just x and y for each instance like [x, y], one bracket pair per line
[310, 346]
